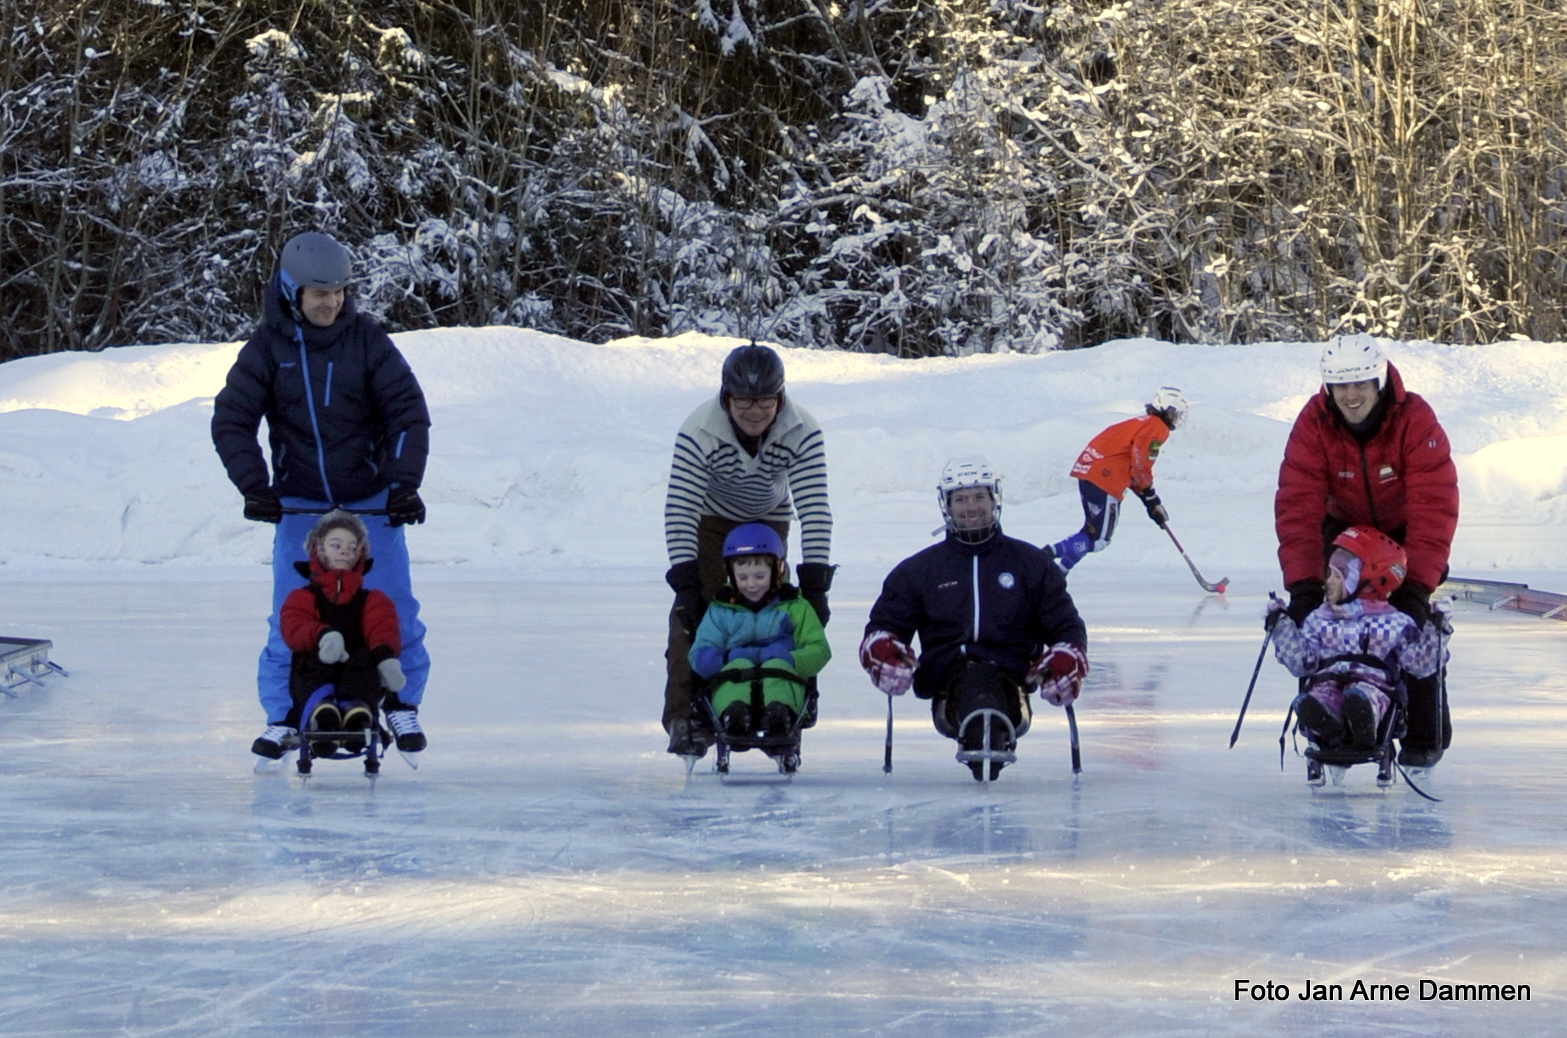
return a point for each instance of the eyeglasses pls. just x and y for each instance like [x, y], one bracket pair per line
[753, 403]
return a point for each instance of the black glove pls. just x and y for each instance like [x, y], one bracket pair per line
[264, 506]
[686, 581]
[1305, 595]
[403, 506]
[815, 581]
[1156, 510]
[1413, 600]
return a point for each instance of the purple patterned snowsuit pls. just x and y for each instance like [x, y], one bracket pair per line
[1361, 643]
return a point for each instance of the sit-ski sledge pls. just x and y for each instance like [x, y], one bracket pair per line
[783, 749]
[26, 662]
[1326, 764]
[370, 743]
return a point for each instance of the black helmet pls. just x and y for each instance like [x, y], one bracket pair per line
[753, 371]
[316, 260]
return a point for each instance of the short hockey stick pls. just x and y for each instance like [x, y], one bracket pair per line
[1071, 727]
[886, 761]
[1236, 734]
[1218, 588]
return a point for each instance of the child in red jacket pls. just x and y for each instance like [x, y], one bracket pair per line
[341, 634]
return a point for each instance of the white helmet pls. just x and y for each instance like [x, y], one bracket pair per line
[1354, 358]
[1170, 399]
[959, 473]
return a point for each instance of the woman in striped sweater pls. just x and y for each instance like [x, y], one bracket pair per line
[748, 455]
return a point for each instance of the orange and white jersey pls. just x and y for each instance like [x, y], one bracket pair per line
[1123, 455]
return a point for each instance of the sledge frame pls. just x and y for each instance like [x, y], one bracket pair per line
[26, 662]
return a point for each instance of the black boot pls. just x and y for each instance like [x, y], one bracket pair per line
[736, 720]
[324, 718]
[777, 719]
[1319, 724]
[1360, 716]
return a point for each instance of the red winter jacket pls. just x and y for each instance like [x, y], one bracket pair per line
[300, 621]
[1402, 481]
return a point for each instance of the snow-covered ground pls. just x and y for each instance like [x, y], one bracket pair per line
[550, 871]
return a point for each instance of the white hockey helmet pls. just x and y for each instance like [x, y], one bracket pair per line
[1354, 358]
[959, 474]
[1170, 399]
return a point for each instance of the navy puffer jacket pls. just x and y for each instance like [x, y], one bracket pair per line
[1003, 601]
[355, 426]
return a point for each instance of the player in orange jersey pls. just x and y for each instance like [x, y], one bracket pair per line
[1119, 458]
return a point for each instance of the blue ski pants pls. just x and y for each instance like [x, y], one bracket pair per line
[389, 574]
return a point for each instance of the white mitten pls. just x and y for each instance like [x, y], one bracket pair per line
[331, 648]
[392, 674]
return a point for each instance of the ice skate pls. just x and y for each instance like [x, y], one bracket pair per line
[404, 722]
[271, 745]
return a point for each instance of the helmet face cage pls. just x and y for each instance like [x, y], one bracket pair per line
[1383, 562]
[753, 371]
[1353, 358]
[1170, 403]
[959, 474]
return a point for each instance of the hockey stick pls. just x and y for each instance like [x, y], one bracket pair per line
[1236, 734]
[886, 761]
[1071, 727]
[1217, 589]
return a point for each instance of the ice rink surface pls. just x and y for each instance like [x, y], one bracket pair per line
[549, 870]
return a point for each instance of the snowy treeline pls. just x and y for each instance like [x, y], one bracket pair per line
[917, 177]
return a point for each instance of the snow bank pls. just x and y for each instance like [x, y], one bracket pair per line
[550, 454]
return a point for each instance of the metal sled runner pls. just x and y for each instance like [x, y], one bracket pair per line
[26, 662]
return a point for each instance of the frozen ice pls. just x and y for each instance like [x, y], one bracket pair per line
[549, 870]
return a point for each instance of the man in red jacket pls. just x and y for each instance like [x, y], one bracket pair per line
[1366, 452]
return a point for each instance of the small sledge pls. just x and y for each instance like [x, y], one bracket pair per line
[368, 743]
[1325, 764]
[26, 662]
[783, 749]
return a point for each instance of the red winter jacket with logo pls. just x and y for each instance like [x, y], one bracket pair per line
[1401, 481]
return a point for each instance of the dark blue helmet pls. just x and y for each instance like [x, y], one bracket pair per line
[753, 539]
[753, 370]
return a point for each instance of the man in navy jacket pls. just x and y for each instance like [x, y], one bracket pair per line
[347, 426]
[993, 617]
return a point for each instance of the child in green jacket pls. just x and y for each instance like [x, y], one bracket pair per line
[759, 640]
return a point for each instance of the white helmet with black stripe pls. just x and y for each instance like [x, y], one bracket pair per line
[1354, 358]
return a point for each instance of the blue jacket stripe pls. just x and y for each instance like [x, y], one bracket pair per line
[315, 426]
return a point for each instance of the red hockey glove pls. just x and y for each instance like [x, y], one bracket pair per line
[888, 661]
[1060, 673]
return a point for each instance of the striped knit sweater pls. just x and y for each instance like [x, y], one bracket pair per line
[713, 475]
